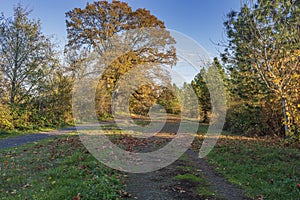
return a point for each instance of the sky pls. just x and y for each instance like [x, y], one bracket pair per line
[201, 21]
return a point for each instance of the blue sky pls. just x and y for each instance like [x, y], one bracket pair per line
[199, 19]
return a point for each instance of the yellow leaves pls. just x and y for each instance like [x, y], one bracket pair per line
[78, 21]
[277, 80]
[77, 10]
[90, 7]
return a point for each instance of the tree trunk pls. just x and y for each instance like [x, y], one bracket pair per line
[13, 93]
[283, 101]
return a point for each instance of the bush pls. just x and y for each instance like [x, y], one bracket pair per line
[6, 120]
[245, 119]
[21, 119]
[240, 120]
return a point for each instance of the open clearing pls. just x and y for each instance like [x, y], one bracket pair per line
[60, 167]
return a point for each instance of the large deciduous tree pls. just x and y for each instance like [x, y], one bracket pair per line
[101, 26]
[263, 55]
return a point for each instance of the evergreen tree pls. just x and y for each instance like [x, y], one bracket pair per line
[263, 56]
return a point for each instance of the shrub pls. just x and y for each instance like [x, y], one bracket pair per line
[245, 119]
[6, 120]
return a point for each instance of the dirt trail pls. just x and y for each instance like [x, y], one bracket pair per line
[161, 185]
[217, 182]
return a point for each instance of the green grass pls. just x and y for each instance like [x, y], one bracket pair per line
[263, 167]
[199, 186]
[189, 177]
[58, 168]
[206, 193]
[203, 189]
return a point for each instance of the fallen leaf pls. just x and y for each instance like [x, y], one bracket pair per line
[78, 197]
[126, 194]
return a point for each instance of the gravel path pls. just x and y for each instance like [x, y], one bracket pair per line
[21, 140]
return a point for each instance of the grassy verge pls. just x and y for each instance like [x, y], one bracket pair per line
[59, 168]
[264, 167]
